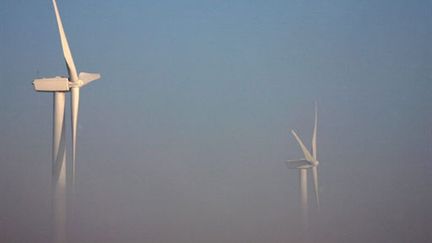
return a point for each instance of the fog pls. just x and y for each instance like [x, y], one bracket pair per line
[185, 136]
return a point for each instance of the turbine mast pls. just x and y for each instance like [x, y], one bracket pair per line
[59, 168]
[304, 199]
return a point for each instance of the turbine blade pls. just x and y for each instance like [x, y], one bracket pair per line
[65, 46]
[306, 152]
[314, 137]
[86, 78]
[315, 180]
[74, 111]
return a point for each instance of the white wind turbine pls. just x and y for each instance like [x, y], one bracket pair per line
[59, 86]
[308, 162]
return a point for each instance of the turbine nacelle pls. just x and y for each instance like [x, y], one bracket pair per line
[55, 84]
[63, 84]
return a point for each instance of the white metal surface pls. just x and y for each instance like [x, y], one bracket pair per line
[59, 167]
[73, 77]
[304, 199]
[51, 84]
[86, 78]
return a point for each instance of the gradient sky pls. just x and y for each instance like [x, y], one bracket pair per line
[184, 137]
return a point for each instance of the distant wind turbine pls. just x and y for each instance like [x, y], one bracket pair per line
[59, 86]
[310, 161]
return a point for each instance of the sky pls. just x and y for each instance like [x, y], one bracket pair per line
[185, 136]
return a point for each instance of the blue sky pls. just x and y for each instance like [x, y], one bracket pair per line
[191, 118]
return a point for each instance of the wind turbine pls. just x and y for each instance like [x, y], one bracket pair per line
[59, 86]
[309, 161]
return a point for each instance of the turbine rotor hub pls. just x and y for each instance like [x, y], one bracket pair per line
[77, 84]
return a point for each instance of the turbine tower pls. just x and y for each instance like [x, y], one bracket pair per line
[311, 162]
[59, 86]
